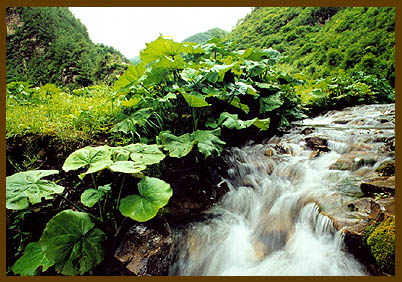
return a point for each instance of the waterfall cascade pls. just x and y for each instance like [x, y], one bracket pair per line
[274, 221]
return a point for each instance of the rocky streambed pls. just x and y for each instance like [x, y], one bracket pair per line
[319, 200]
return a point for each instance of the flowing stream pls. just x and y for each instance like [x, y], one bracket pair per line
[274, 221]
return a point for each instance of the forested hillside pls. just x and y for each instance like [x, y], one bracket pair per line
[49, 45]
[204, 36]
[320, 40]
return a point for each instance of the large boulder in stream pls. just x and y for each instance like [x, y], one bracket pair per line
[146, 248]
[368, 215]
[317, 143]
[353, 161]
[378, 185]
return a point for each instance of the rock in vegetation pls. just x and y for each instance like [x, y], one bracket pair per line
[368, 214]
[380, 239]
[146, 248]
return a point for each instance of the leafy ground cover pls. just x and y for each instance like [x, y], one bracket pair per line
[182, 101]
[49, 110]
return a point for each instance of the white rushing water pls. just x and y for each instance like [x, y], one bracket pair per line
[269, 223]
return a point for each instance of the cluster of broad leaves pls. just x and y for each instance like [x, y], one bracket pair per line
[131, 159]
[70, 241]
[185, 88]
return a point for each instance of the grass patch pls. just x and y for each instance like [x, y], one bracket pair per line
[67, 115]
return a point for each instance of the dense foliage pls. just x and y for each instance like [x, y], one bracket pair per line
[49, 45]
[321, 40]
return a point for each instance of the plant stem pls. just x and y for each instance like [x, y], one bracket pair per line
[194, 119]
[121, 188]
[75, 206]
[100, 211]
[99, 205]
[93, 181]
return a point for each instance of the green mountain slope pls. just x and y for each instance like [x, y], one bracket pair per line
[49, 45]
[321, 40]
[198, 38]
[205, 36]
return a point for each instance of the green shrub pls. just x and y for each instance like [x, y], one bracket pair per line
[334, 58]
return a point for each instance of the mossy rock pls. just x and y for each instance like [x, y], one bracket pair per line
[387, 168]
[381, 243]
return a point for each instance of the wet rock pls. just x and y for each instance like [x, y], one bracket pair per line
[354, 243]
[359, 212]
[280, 149]
[274, 140]
[353, 161]
[307, 130]
[386, 168]
[340, 121]
[364, 210]
[364, 213]
[390, 145]
[363, 172]
[146, 248]
[359, 147]
[379, 185]
[259, 249]
[387, 206]
[269, 152]
[314, 154]
[195, 187]
[362, 205]
[317, 143]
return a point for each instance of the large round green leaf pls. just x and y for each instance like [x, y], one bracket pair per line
[143, 154]
[72, 242]
[25, 187]
[194, 99]
[154, 194]
[270, 103]
[91, 196]
[232, 121]
[127, 167]
[208, 141]
[178, 146]
[120, 154]
[162, 48]
[132, 75]
[97, 158]
[33, 257]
